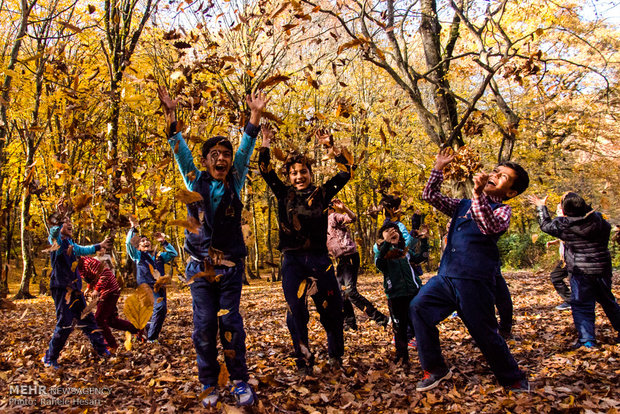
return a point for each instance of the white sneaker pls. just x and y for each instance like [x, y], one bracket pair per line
[243, 393]
[210, 396]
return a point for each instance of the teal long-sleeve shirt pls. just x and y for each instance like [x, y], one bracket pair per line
[185, 162]
[167, 255]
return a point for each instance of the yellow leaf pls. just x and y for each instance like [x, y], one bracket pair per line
[534, 237]
[127, 341]
[302, 288]
[138, 309]
[187, 197]
[161, 282]
[223, 312]
[228, 336]
[74, 266]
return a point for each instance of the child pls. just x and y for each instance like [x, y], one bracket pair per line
[147, 261]
[220, 216]
[400, 284]
[466, 277]
[66, 289]
[585, 234]
[342, 246]
[302, 214]
[102, 281]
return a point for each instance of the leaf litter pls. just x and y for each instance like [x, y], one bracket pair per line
[163, 377]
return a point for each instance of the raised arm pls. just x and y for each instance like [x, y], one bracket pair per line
[132, 252]
[169, 252]
[265, 167]
[182, 154]
[432, 191]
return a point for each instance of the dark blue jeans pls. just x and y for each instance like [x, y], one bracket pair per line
[503, 303]
[474, 300]
[586, 291]
[346, 273]
[160, 310]
[298, 268]
[65, 314]
[207, 300]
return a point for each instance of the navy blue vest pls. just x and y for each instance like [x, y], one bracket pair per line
[144, 274]
[469, 254]
[220, 229]
[62, 274]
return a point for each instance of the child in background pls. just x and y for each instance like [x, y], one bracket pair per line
[106, 290]
[147, 262]
[302, 216]
[400, 284]
[560, 272]
[585, 234]
[66, 289]
[343, 248]
[466, 278]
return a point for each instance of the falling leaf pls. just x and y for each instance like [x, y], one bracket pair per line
[348, 45]
[81, 201]
[534, 237]
[138, 311]
[272, 81]
[187, 197]
[302, 288]
[70, 26]
[55, 246]
[223, 312]
[161, 282]
[222, 379]
[228, 336]
[277, 152]
[127, 342]
[74, 266]
[191, 224]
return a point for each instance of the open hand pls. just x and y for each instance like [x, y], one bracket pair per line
[133, 221]
[256, 102]
[160, 237]
[538, 202]
[168, 104]
[445, 157]
[391, 236]
[106, 243]
[268, 135]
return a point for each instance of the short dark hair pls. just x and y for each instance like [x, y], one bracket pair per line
[212, 142]
[573, 205]
[296, 158]
[390, 201]
[522, 181]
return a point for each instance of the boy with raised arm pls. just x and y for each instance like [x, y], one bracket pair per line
[465, 281]
[219, 241]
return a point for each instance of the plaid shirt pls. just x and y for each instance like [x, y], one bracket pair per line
[489, 221]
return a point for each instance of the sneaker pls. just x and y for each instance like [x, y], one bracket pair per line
[50, 364]
[153, 341]
[519, 386]
[335, 362]
[413, 343]
[105, 354]
[586, 344]
[209, 395]
[430, 380]
[243, 393]
[563, 306]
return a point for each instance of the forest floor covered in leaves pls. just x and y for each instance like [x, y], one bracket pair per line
[163, 377]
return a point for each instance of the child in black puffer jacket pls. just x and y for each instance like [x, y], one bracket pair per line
[585, 234]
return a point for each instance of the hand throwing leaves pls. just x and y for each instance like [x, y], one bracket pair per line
[538, 202]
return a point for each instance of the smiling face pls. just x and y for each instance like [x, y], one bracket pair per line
[299, 175]
[218, 162]
[500, 183]
[145, 245]
[67, 229]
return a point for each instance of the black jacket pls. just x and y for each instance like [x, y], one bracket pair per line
[585, 240]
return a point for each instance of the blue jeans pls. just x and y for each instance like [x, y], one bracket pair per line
[474, 300]
[207, 300]
[586, 290]
[160, 310]
[300, 267]
[65, 314]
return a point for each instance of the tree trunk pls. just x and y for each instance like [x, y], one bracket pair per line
[27, 255]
